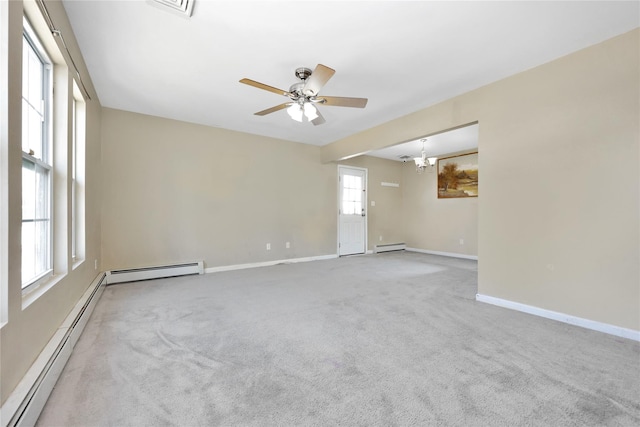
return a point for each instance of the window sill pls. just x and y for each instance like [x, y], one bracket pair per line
[77, 263]
[33, 294]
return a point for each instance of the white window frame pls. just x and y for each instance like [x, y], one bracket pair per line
[45, 161]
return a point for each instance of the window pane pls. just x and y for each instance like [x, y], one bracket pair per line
[73, 219]
[42, 247]
[352, 195]
[36, 224]
[28, 252]
[25, 67]
[28, 190]
[35, 134]
[78, 176]
[25, 126]
[35, 80]
[33, 95]
[42, 193]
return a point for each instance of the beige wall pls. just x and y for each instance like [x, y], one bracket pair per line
[385, 218]
[26, 328]
[558, 212]
[175, 191]
[433, 224]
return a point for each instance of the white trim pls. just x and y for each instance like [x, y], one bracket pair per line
[35, 290]
[25, 403]
[561, 317]
[449, 254]
[268, 263]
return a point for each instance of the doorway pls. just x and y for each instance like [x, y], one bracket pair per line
[352, 211]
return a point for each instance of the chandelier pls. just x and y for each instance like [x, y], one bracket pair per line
[423, 162]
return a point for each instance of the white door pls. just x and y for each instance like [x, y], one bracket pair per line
[352, 221]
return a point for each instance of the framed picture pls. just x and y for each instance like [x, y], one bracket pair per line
[458, 176]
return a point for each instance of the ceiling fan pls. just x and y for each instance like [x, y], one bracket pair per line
[304, 95]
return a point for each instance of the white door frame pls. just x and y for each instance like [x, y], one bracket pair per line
[365, 205]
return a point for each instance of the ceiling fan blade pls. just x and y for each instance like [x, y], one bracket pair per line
[319, 77]
[339, 101]
[273, 109]
[318, 120]
[264, 87]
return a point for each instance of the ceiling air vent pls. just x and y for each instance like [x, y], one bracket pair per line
[181, 7]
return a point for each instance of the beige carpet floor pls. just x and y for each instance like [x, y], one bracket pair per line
[392, 339]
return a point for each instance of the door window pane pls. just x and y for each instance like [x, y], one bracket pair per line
[351, 195]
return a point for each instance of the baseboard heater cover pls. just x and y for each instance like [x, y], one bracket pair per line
[390, 247]
[24, 405]
[155, 272]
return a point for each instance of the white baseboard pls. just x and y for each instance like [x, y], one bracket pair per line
[562, 317]
[25, 403]
[449, 254]
[268, 263]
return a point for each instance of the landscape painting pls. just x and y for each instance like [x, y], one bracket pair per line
[458, 176]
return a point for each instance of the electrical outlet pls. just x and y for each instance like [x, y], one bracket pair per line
[462, 241]
[287, 245]
[380, 238]
[95, 264]
[268, 246]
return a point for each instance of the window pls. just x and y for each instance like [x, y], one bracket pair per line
[78, 118]
[351, 195]
[36, 160]
[74, 197]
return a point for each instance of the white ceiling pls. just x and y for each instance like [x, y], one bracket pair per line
[402, 56]
[462, 139]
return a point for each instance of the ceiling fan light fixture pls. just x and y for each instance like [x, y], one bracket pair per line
[295, 112]
[303, 94]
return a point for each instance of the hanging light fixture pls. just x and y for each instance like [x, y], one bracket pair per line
[423, 161]
[295, 112]
[310, 111]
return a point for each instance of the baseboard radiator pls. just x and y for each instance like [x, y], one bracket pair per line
[156, 272]
[32, 393]
[390, 247]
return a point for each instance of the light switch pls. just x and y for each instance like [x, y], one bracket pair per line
[373, 203]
